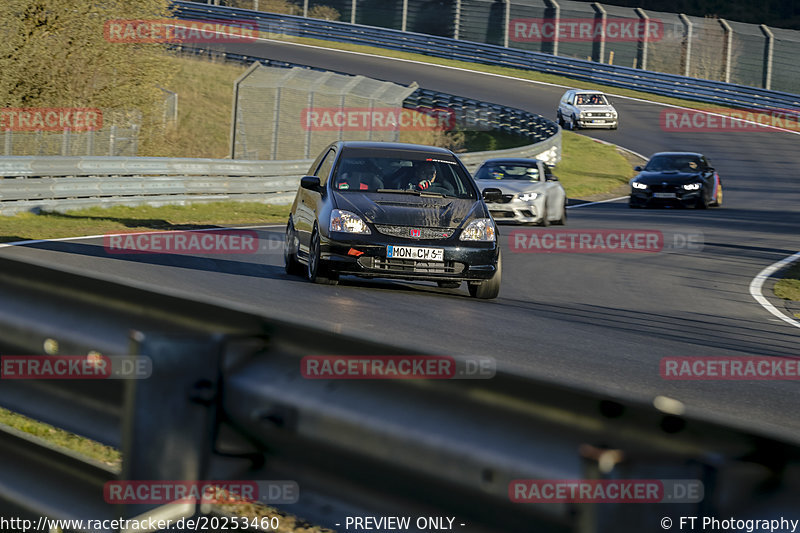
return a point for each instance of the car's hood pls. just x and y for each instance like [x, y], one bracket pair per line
[511, 186]
[596, 108]
[408, 209]
[673, 177]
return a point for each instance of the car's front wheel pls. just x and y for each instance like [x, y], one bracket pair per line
[290, 262]
[563, 220]
[315, 271]
[489, 289]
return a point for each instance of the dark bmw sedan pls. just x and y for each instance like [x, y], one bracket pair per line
[386, 210]
[676, 179]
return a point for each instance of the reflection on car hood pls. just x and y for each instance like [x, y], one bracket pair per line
[670, 176]
[408, 209]
[596, 108]
[512, 186]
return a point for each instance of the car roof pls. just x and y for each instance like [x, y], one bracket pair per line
[380, 145]
[519, 160]
[587, 91]
[677, 153]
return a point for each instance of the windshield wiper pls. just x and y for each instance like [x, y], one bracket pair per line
[401, 191]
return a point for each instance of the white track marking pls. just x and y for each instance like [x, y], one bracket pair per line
[85, 237]
[757, 285]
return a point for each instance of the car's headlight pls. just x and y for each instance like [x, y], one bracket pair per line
[480, 229]
[528, 196]
[692, 186]
[347, 222]
[637, 185]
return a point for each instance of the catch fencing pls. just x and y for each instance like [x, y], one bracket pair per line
[701, 47]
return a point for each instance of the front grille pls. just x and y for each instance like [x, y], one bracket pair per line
[405, 232]
[657, 187]
[503, 200]
[597, 115]
[410, 266]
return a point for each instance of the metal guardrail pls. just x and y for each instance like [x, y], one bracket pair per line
[226, 401]
[68, 183]
[714, 92]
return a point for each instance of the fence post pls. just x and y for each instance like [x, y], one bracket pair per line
[65, 142]
[686, 49]
[726, 50]
[769, 46]
[89, 143]
[305, 8]
[112, 138]
[353, 12]
[404, 24]
[255, 5]
[506, 22]
[457, 22]
[8, 142]
[276, 125]
[599, 47]
[555, 10]
[641, 51]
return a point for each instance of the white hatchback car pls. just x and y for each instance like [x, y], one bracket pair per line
[586, 109]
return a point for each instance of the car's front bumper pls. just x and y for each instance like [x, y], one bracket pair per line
[682, 197]
[516, 211]
[366, 256]
[597, 122]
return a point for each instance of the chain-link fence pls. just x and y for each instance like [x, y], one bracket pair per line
[114, 139]
[294, 113]
[708, 48]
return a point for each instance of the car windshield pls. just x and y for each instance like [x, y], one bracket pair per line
[402, 172]
[591, 99]
[680, 163]
[503, 171]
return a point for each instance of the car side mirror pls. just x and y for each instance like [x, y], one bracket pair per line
[311, 183]
[638, 168]
[551, 177]
[492, 195]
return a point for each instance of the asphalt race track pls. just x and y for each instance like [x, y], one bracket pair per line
[603, 321]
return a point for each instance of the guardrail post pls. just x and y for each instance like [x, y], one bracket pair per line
[112, 139]
[553, 11]
[457, 22]
[769, 46]
[599, 47]
[641, 51]
[686, 48]
[404, 24]
[506, 22]
[727, 44]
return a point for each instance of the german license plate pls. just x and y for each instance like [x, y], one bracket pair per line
[664, 195]
[599, 121]
[415, 252]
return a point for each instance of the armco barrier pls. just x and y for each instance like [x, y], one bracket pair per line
[225, 400]
[717, 93]
[68, 183]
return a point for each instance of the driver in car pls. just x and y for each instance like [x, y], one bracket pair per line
[425, 176]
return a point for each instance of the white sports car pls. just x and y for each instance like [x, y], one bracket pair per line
[531, 193]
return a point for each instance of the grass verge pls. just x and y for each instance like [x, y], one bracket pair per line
[788, 288]
[121, 219]
[589, 168]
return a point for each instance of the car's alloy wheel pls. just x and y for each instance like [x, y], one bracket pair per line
[290, 262]
[718, 199]
[545, 221]
[563, 220]
[489, 289]
[315, 270]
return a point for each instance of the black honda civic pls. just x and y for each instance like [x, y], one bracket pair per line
[389, 210]
[684, 179]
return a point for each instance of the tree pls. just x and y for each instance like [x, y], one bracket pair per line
[53, 53]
